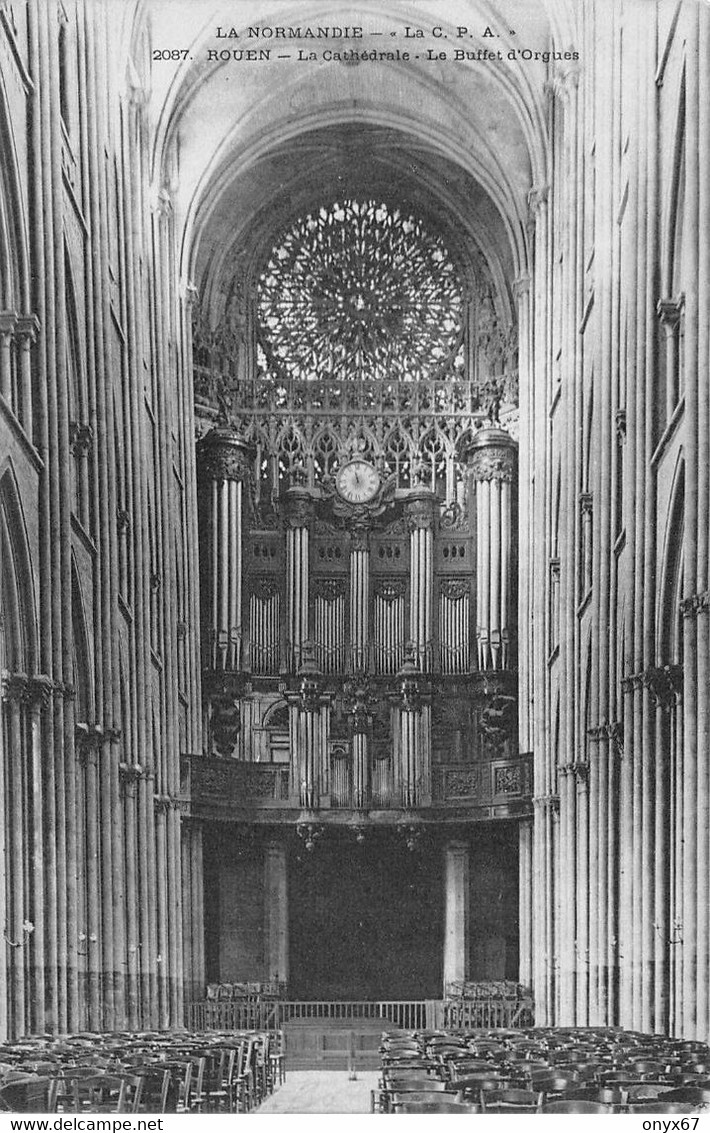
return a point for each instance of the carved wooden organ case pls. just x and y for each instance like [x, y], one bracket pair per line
[356, 397]
[359, 632]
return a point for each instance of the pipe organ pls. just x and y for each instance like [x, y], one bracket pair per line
[375, 622]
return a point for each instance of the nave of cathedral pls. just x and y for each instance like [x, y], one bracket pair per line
[354, 508]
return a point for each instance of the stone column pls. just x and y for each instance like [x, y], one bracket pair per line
[525, 899]
[8, 320]
[456, 894]
[26, 333]
[275, 912]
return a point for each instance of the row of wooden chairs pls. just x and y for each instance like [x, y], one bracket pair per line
[181, 1072]
[541, 1070]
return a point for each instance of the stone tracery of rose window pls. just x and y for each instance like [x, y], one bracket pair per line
[361, 291]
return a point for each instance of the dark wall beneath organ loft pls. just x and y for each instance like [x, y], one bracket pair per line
[366, 920]
[234, 908]
[493, 904]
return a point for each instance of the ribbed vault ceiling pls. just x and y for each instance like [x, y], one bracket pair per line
[245, 147]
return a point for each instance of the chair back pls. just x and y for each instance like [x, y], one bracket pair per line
[567, 1105]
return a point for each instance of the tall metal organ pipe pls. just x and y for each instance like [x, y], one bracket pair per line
[226, 463]
[299, 510]
[491, 458]
[359, 598]
[420, 521]
[309, 727]
[411, 720]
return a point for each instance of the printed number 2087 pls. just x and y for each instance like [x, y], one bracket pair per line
[170, 53]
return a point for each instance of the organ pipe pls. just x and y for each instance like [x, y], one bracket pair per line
[227, 462]
[389, 626]
[491, 461]
[360, 727]
[299, 505]
[412, 738]
[359, 598]
[329, 617]
[454, 615]
[264, 627]
[309, 727]
[420, 521]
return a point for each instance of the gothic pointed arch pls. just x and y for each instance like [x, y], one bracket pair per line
[19, 619]
[14, 276]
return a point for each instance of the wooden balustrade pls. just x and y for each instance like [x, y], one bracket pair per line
[213, 785]
[418, 1014]
[488, 1011]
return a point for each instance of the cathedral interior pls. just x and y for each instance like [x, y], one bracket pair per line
[354, 506]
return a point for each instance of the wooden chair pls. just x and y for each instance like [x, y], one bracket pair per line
[555, 1084]
[243, 1081]
[661, 1106]
[696, 1095]
[567, 1105]
[106, 1093]
[435, 1106]
[510, 1101]
[28, 1094]
[159, 1093]
[277, 1059]
[610, 1095]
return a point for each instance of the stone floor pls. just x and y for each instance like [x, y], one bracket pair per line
[322, 1091]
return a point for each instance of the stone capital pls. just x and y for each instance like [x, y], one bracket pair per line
[15, 687]
[26, 330]
[8, 322]
[129, 775]
[81, 437]
[669, 313]
[665, 685]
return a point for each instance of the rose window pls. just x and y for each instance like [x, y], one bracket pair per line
[363, 291]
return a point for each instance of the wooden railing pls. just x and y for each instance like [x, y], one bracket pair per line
[233, 1015]
[409, 1014]
[227, 1015]
[488, 1014]
[216, 786]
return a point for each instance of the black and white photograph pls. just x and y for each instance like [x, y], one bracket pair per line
[354, 560]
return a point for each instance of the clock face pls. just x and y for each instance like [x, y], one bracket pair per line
[358, 482]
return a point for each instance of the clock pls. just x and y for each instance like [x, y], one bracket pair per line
[358, 482]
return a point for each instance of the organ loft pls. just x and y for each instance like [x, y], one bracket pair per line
[357, 406]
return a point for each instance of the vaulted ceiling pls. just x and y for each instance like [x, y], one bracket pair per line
[244, 147]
